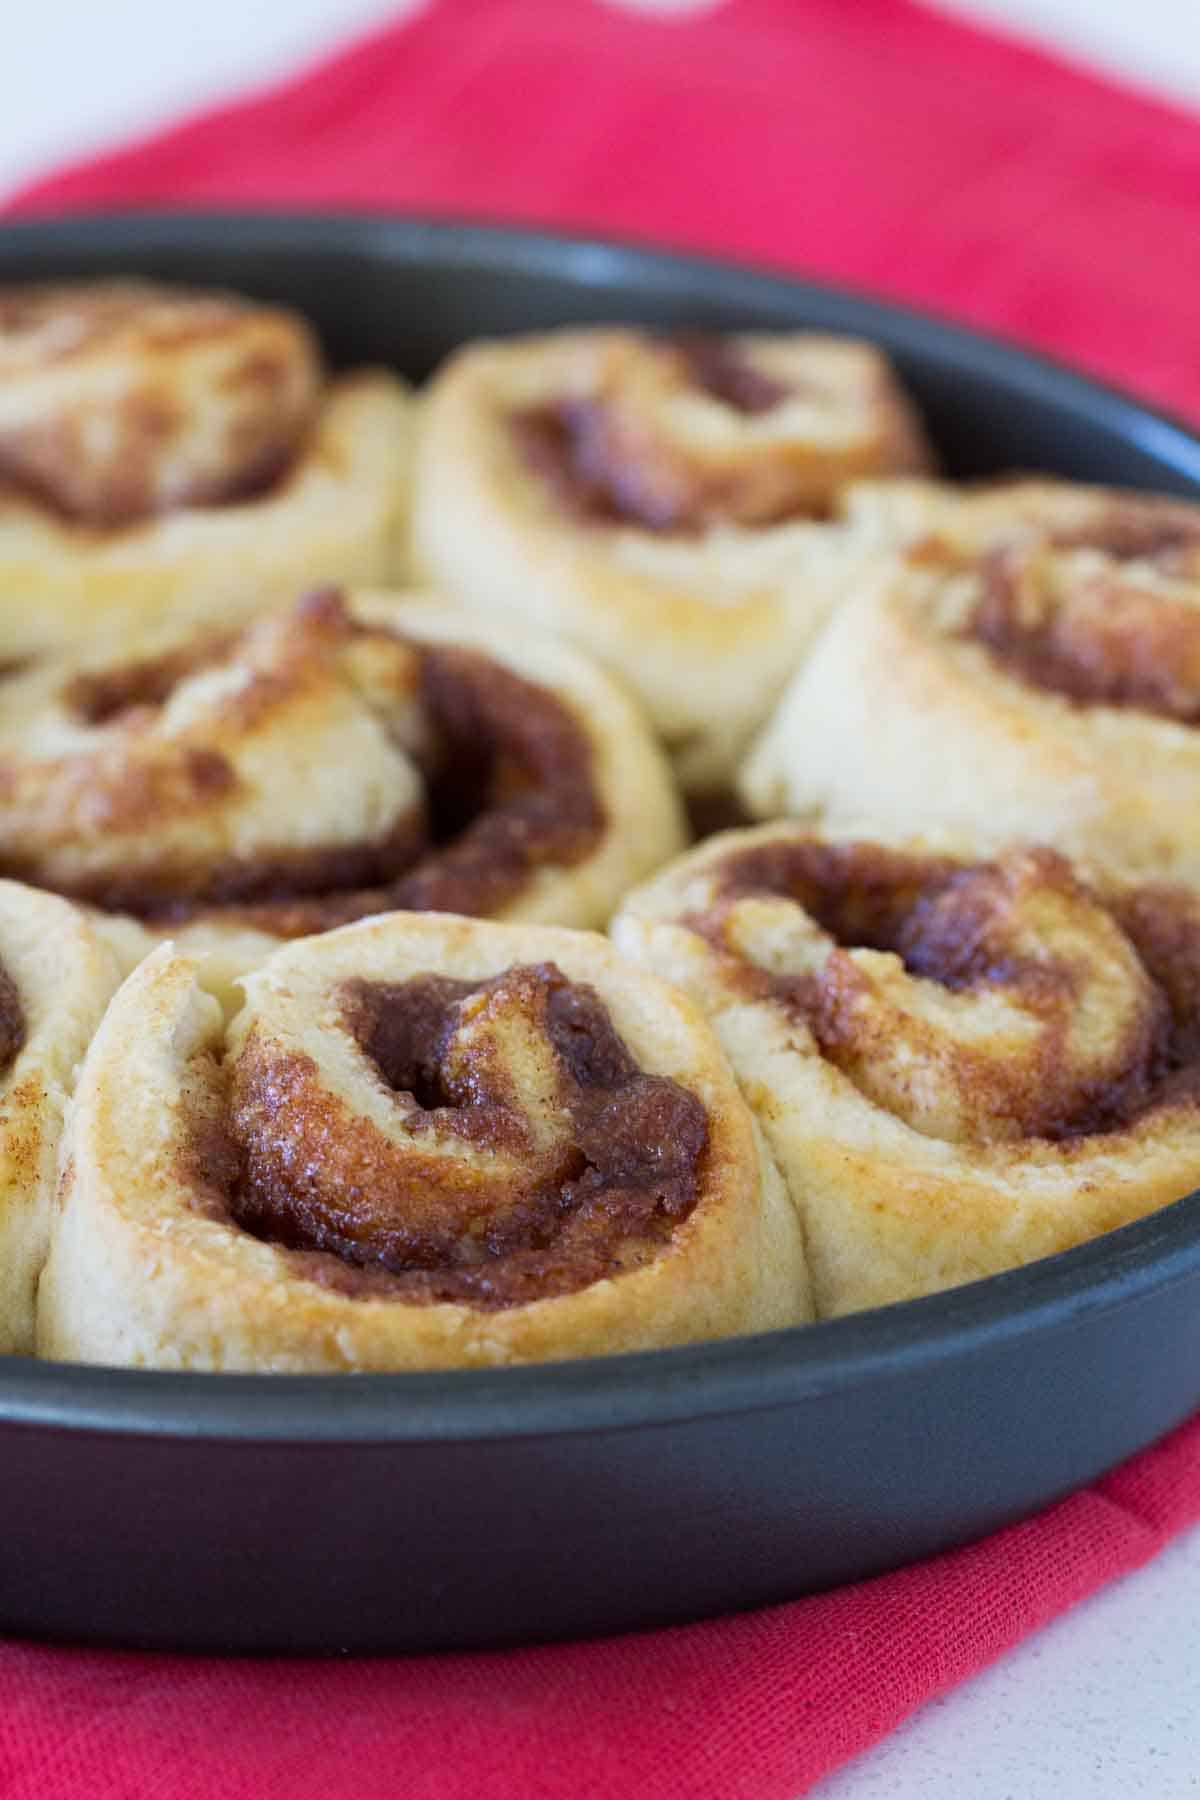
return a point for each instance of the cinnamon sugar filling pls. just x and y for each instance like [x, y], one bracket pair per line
[961, 927]
[509, 788]
[606, 467]
[490, 1199]
[511, 791]
[124, 399]
[1121, 633]
[1109, 643]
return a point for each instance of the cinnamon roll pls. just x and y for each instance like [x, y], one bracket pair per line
[1119, 525]
[56, 978]
[653, 499]
[959, 1065]
[422, 1142]
[170, 452]
[339, 758]
[1045, 687]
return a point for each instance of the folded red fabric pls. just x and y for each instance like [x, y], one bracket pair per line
[873, 143]
[758, 1706]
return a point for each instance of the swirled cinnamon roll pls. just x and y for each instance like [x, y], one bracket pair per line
[56, 978]
[171, 452]
[1045, 687]
[339, 758]
[653, 499]
[1118, 526]
[959, 1065]
[422, 1142]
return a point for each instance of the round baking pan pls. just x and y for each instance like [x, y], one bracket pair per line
[423, 1511]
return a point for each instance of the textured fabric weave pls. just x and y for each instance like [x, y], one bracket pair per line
[757, 1706]
[869, 142]
[866, 140]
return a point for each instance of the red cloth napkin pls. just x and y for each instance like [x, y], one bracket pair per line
[751, 1708]
[874, 143]
[870, 141]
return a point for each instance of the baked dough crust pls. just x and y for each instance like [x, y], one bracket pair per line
[613, 488]
[999, 683]
[172, 455]
[235, 787]
[972, 518]
[56, 978]
[958, 1067]
[149, 1267]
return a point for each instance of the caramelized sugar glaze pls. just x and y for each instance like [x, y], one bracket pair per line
[534, 1158]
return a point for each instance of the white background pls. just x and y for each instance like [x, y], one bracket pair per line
[1105, 1702]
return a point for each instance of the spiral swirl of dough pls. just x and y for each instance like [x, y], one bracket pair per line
[658, 501]
[1120, 528]
[121, 399]
[676, 434]
[1033, 684]
[175, 454]
[960, 1065]
[344, 757]
[422, 1141]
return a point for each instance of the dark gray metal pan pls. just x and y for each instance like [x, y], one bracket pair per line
[403, 1512]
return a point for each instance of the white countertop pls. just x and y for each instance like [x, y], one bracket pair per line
[1106, 1701]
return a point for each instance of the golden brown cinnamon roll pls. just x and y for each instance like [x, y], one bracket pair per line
[1119, 526]
[56, 977]
[653, 499]
[1045, 689]
[340, 758]
[168, 452]
[422, 1142]
[959, 1066]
